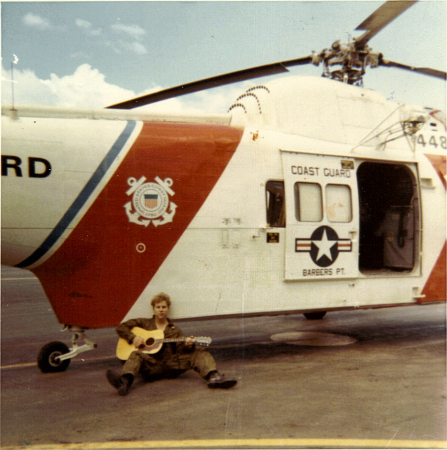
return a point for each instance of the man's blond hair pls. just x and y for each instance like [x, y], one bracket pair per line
[161, 297]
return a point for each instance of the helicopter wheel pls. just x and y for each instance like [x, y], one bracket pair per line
[315, 315]
[47, 359]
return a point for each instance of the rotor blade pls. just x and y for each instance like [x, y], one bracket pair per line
[380, 18]
[208, 83]
[424, 70]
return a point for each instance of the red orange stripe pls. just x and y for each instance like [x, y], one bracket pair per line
[102, 268]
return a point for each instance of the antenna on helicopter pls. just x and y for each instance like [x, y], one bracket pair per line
[13, 110]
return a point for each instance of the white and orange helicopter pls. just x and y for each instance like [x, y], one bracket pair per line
[310, 195]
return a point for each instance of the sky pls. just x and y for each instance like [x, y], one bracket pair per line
[93, 54]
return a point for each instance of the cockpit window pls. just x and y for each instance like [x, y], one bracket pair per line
[276, 215]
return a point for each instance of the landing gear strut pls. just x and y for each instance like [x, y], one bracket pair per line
[56, 356]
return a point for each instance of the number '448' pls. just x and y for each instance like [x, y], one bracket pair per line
[432, 141]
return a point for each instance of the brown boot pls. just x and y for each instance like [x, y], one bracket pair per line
[216, 380]
[120, 382]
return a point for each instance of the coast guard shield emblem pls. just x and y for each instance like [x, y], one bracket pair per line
[150, 202]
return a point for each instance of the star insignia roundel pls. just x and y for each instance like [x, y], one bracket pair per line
[323, 246]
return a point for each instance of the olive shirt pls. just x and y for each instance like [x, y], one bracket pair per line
[172, 359]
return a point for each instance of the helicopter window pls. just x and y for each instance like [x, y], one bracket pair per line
[308, 202]
[276, 216]
[338, 203]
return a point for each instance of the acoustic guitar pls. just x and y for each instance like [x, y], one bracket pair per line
[153, 341]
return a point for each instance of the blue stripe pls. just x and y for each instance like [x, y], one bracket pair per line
[82, 197]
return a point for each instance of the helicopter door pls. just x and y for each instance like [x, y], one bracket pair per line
[389, 217]
[322, 217]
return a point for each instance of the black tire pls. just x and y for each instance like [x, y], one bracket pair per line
[315, 315]
[46, 359]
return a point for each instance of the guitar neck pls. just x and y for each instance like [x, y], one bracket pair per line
[172, 340]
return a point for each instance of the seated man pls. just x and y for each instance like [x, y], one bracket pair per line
[171, 360]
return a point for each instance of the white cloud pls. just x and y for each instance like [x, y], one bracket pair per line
[134, 47]
[88, 27]
[87, 88]
[134, 31]
[83, 24]
[35, 21]
[27, 89]
[40, 23]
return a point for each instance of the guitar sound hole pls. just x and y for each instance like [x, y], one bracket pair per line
[150, 342]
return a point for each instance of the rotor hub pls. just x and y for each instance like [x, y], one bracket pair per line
[346, 62]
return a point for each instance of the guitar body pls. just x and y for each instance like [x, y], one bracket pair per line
[153, 339]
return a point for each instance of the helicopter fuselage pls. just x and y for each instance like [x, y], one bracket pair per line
[310, 195]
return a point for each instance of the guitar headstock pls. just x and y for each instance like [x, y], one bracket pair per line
[203, 340]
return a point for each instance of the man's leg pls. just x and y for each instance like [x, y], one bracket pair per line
[203, 363]
[120, 382]
[130, 370]
[133, 364]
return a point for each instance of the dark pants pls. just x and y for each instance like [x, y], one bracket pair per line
[151, 369]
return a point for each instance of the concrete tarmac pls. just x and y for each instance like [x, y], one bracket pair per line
[356, 379]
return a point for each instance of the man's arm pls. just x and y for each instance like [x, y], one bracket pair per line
[176, 332]
[124, 330]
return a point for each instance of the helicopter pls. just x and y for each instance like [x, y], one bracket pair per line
[310, 195]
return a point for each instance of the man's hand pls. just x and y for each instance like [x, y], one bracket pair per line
[190, 341]
[138, 341]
